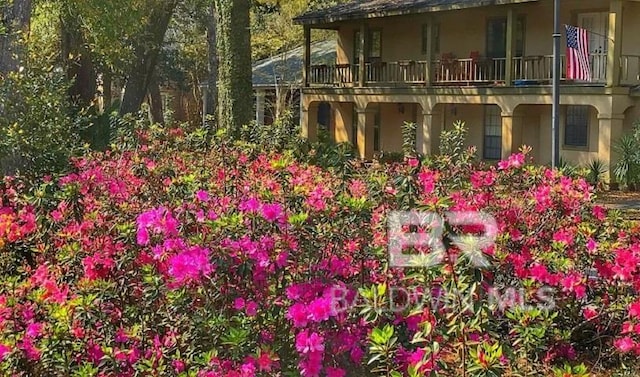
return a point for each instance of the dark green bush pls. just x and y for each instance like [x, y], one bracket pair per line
[37, 133]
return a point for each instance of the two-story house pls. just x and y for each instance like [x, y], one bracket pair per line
[486, 62]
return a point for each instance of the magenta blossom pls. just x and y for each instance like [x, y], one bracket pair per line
[190, 265]
[272, 212]
[308, 343]
[4, 351]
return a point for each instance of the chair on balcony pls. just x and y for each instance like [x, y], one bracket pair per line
[446, 68]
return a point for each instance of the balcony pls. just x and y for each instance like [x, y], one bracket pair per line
[475, 71]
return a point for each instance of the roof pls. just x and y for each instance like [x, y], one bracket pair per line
[360, 9]
[286, 67]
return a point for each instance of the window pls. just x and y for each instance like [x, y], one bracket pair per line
[374, 43]
[576, 129]
[492, 133]
[436, 38]
[497, 37]
[520, 35]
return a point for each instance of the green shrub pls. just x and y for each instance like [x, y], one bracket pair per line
[37, 135]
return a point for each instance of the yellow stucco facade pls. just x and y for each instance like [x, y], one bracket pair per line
[438, 67]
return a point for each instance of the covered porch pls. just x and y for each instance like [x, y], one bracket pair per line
[498, 126]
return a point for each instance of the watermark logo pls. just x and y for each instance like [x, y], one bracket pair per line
[423, 231]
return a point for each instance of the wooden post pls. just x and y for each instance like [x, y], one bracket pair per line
[362, 59]
[610, 128]
[424, 133]
[428, 74]
[507, 135]
[508, 70]
[307, 55]
[615, 43]
[260, 100]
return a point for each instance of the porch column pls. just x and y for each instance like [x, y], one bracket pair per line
[364, 135]
[307, 56]
[507, 135]
[609, 131]
[423, 139]
[260, 99]
[428, 70]
[309, 122]
[614, 43]
[362, 59]
[508, 71]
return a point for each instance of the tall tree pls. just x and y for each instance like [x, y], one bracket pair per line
[15, 16]
[235, 96]
[147, 50]
[212, 43]
[77, 58]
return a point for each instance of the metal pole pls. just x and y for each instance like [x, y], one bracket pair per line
[555, 109]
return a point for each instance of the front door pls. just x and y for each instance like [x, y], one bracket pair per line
[596, 25]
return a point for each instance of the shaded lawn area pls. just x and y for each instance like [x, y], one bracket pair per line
[628, 202]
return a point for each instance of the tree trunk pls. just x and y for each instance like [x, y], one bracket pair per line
[155, 103]
[77, 59]
[147, 52]
[212, 81]
[235, 98]
[15, 19]
[107, 94]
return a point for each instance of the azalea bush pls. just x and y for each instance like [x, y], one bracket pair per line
[172, 260]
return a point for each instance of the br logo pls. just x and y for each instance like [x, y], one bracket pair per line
[424, 231]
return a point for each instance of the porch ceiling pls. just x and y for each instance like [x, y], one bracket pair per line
[362, 9]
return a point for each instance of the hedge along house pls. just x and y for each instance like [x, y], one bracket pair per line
[486, 62]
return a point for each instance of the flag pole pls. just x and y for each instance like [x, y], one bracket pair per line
[555, 108]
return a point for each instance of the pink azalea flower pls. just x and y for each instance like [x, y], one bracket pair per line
[251, 205]
[202, 196]
[247, 370]
[238, 304]
[251, 309]
[320, 309]
[272, 212]
[34, 330]
[634, 309]
[539, 273]
[298, 314]
[190, 265]
[589, 312]
[308, 343]
[264, 362]
[312, 366]
[4, 351]
[599, 212]
[178, 366]
[94, 353]
[625, 344]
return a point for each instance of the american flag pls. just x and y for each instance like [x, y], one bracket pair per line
[578, 66]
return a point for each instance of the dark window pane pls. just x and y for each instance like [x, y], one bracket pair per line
[492, 149]
[576, 130]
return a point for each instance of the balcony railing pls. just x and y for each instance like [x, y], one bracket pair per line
[630, 70]
[527, 70]
[540, 68]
